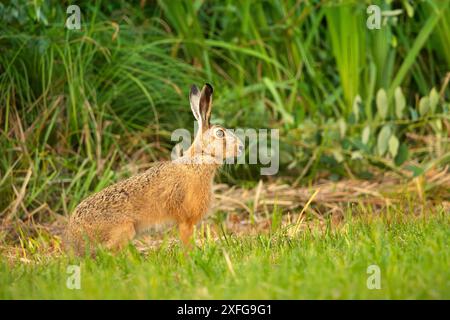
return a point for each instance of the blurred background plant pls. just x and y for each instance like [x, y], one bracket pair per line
[80, 109]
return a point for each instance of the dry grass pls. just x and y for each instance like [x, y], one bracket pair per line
[385, 190]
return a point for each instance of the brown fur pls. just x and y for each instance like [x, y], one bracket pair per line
[174, 191]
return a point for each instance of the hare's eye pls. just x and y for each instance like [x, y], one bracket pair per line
[220, 133]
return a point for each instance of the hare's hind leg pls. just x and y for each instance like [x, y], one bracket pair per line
[186, 229]
[120, 235]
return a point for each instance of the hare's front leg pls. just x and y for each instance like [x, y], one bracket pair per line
[186, 229]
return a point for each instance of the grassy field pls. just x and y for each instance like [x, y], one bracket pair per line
[412, 252]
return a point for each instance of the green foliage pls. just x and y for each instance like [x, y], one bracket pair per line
[400, 103]
[392, 123]
[382, 104]
[347, 41]
[81, 109]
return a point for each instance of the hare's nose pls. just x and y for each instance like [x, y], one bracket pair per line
[241, 148]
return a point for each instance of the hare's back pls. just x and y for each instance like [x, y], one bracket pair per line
[119, 195]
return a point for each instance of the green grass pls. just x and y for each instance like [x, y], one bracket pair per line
[412, 253]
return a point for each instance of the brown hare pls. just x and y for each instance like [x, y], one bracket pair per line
[177, 191]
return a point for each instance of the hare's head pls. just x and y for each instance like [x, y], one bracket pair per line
[212, 140]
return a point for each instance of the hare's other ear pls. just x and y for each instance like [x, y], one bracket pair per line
[194, 99]
[205, 105]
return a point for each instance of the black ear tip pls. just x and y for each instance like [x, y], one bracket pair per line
[194, 89]
[209, 87]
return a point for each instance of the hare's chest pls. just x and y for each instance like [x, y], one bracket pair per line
[198, 197]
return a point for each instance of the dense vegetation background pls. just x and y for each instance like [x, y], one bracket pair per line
[80, 109]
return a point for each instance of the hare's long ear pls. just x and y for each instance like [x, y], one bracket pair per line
[205, 105]
[194, 99]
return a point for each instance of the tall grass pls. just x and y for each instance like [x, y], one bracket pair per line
[74, 103]
[345, 24]
[80, 109]
[441, 34]
[410, 60]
